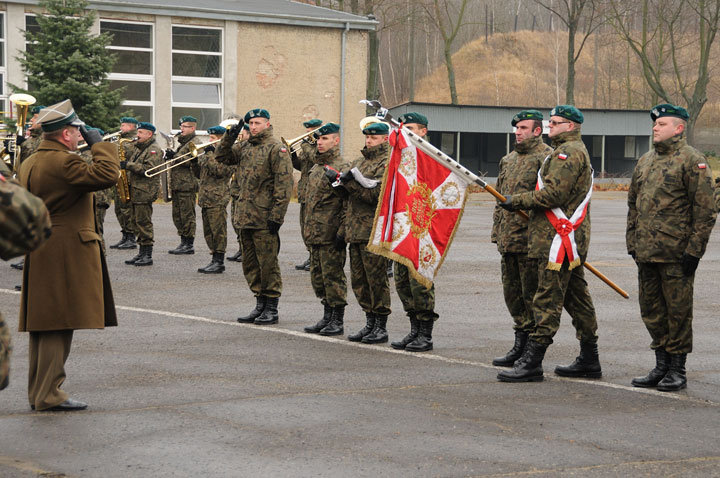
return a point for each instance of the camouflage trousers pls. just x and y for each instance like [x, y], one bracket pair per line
[260, 261]
[5, 349]
[520, 281]
[214, 221]
[666, 305]
[368, 276]
[415, 297]
[183, 212]
[124, 214]
[142, 215]
[234, 204]
[100, 212]
[327, 274]
[558, 289]
[302, 225]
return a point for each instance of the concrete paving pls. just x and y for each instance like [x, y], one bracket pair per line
[181, 389]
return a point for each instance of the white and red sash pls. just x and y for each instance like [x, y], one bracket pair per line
[564, 241]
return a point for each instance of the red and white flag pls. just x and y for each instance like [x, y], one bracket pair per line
[420, 207]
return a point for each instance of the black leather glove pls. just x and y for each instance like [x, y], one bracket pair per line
[210, 149]
[346, 177]
[507, 204]
[123, 164]
[91, 136]
[234, 132]
[339, 243]
[331, 174]
[273, 226]
[19, 140]
[689, 264]
[169, 154]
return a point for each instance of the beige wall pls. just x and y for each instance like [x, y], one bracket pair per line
[294, 73]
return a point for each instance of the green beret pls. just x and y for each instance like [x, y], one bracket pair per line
[58, 115]
[313, 123]
[667, 109]
[257, 113]
[328, 128]
[376, 129]
[36, 109]
[147, 126]
[246, 127]
[216, 130]
[416, 118]
[128, 119]
[527, 115]
[187, 119]
[568, 112]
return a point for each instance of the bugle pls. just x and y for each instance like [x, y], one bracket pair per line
[195, 150]
[293, 145]
[112, 138]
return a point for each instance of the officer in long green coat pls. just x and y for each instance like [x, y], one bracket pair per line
[671, 213]
[124, 210]
[184, 188]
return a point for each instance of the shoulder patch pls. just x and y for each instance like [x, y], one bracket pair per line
[153, 152]
[702, 165]
[562, 156]
[283, 149]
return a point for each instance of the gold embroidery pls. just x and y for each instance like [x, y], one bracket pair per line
[420, 209]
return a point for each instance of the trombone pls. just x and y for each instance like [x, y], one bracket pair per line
[195, 150]
[293, 145]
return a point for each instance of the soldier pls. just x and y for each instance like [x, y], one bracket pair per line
[102, 198]
[235, 195]
[563, 191]
[24, 225]
[303, 161]
[184, 187]
[213, 199]
[518, 173]
[671, 213]
[124, 210]
[418, 300]
[322, 220]
[265, 173]
[368, 271]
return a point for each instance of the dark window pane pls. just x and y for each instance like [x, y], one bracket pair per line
[134, 90]
[195, 93]
[31, 24]
[137, 62]
[204, 66]
[140, 113]
[2, 25]
[206, 117]
[2, 53]
[128, 34]
[196, 39]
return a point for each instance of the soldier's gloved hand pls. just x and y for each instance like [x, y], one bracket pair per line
[346, 177]
[210, 149]
[91, 136]
[273, 226]
[331, 174]
[507, 204]
[339, 243]
[19, 140]
[689, 264]
[234, 132]
[123, 164]
[169, 154]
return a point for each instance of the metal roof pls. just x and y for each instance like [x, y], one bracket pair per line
[284, 12]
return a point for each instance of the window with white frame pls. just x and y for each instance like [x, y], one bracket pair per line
[197, 74]
[132, 42]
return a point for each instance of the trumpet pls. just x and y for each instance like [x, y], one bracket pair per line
[293, 145]
[195, 150]
[112, 137]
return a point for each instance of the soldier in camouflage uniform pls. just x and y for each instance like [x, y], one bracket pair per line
[564, 188]
[518, 173]
[303, 160]
[124, 210]
[265, 172]
[671, 213]
[24, 225]
[322, 219]
[235, 195]
[368, 271]
[184, 188]
[143, 190]
[213, 199]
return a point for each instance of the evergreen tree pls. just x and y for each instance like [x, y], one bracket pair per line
[63, 60]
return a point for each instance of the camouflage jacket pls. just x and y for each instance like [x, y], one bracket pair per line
[235, 178]
[104, 197]
[518, 173]
[182, 177]
[265, 177]
[303, 161]
[24, 220]
[361, 202]
[30, 145]
[671, 204]
[567, 175]
[145, 155]
[323, 208]
[214, 181]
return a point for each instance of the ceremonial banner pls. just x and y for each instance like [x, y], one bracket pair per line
[420, 206]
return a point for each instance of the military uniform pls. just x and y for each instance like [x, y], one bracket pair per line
[234, 205]
[30, 145]
[303, 161]
[124, 211]
[184, 188]
[265, 175]
[102, 200]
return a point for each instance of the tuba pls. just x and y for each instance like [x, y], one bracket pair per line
[123, 185]
[22, 105]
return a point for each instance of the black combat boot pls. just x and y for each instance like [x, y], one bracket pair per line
[379, 333]
[181, 247]
[528, 367]
[304, 266]
[237, 257]
[256, 312]
[136, 258]
[401, 344]
[327, 315]
[146, 259]
[270, 314]
[423, 341]
[675, 379]
[18, 265]
[216, 266]
[521, 338]
[662, 365]
[335, 327]
[129, 243]
[586, 365]
[369, 326]
[186, 246]
[122, 239]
